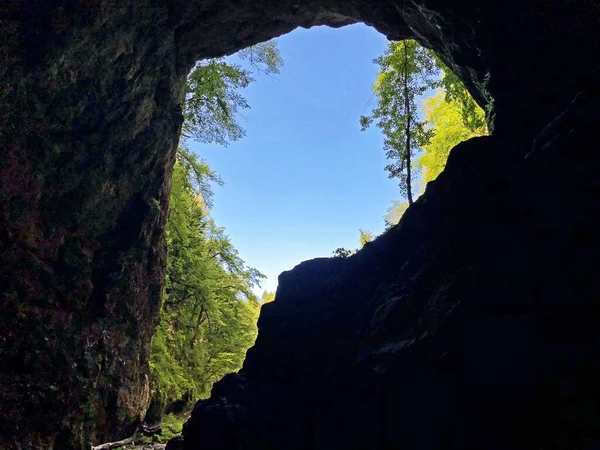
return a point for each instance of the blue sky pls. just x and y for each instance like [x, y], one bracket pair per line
[304, 179]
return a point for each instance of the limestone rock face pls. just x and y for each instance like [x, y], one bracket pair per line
[89, 122]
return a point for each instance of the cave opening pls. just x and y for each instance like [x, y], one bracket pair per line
[90, 120]
[302, 181]
[310, 113]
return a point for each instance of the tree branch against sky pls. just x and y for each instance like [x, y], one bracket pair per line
[214, 93]
[407, 71]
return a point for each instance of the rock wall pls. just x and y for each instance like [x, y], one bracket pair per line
[88, 126]
[89, 122]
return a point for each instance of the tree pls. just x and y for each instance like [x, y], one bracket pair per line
[267, 297]
[208, 317]
[264, 57]
[395, 213]
[451, 119]
[342, 252]
[365, 236]
[407, 71]
[213, 97]
[472, 115]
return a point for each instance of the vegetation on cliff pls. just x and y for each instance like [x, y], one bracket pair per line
[449, 114]
[209, 313]
[208, 317]
[423, 110]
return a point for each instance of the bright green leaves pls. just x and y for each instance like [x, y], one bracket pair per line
[407, 71]
[365, 236]
[451, 122]
[267, 297]
[472, 116]
[209, 313]
[214, 98]
[208, 319]
[395, 213]
[265, 57]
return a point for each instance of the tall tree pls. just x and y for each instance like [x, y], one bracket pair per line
[407, 71]
[208, 317]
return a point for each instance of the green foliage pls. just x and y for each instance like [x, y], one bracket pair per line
[209, 313]
[407, 71]
[342, 252]
[212, 101]
[450, 125]
[171, 426]
[395, 213]
[267, 297]
[264, 57]
[365, 236]
[208, 318]
[471, 115]
[213, 97]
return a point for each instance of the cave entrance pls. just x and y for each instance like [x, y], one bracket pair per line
[92, 105]
[302, 179]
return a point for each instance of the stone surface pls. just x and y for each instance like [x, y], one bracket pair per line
[89, 123]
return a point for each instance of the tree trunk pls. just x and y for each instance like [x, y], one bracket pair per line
[408, 119]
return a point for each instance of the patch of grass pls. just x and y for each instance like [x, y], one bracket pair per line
[172, 426]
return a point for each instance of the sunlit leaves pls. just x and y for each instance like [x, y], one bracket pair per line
[450, 125]
[264, 57]
[214, 96]
[395, 213]
[365, 236]
[213, 99]
[406, 71]
[208, 319]
[267, 297]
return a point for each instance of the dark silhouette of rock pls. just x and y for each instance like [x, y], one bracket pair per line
[474, 323]
[89, 122]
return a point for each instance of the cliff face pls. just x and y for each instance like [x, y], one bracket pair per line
[89, 123]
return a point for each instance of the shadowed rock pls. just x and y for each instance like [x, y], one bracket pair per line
[474, 323]
[89, 122]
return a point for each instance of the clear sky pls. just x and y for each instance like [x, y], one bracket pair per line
[304, 179]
